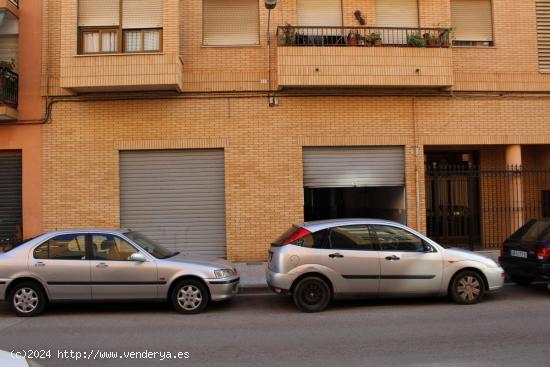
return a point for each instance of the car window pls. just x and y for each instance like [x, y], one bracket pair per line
[314, 240]
[111, 247]
[63, 247]
[396, 239]
[357, 237]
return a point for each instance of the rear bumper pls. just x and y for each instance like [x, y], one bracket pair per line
[221, 289]
[495, 278]
[524, 267]
[279, 282]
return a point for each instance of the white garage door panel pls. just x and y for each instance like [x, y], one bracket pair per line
[175, 197]
[354, 167]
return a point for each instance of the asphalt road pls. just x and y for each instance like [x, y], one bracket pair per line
[510, 328]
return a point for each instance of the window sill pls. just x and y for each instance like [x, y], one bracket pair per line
[231, 46]
[476, 47]
[120, 54]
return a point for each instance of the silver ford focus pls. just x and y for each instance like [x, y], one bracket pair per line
[319, 261]
[101, 265]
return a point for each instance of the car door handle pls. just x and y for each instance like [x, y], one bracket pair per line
[39, 264]
[392, 258]
[339, 256]
[102, 265]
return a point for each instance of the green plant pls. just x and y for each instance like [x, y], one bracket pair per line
[374, 39]
[416, 40]
[7, 65]
[287, 35]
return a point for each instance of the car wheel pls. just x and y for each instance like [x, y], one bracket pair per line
[467, 288]
[522, 280]
[189, 296]
[27, 299]
[311, 294]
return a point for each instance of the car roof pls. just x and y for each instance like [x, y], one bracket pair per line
[88, 230]
[318, 225]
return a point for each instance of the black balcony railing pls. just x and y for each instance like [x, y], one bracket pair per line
[363, 36]
[8, 87]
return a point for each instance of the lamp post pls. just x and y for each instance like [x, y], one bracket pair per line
[269, 5]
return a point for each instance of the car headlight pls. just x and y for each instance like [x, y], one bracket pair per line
[224, 273]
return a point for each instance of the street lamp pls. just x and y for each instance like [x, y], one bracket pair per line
[269, 5]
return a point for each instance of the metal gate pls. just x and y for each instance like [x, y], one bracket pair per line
[467, 206]
[11, 216]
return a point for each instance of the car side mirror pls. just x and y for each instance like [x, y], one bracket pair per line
[136, 256]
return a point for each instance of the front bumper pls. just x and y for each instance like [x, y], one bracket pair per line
[221, 289]
[526, 268]
[495, 278]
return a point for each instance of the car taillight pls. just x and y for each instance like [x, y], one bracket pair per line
[295, 236]
[503, 249]
[543, 253]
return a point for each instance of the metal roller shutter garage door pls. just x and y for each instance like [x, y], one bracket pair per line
[175, 197]
[354, 167]
[10, 197]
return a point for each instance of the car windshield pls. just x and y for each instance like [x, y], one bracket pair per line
[150, 246]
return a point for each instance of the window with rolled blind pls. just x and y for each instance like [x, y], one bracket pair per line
[472, 21]
[230, 22]
[543, 30]
[397, 13]
[110, 26]
[98, 13]
[324, 13]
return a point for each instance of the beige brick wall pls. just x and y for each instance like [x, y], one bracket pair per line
[511, 65]
[263, 149]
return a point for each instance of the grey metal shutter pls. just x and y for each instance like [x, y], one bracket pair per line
[175, 197]
[354, 166]
[11, 214]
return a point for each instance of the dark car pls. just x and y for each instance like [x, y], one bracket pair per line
[525, 255]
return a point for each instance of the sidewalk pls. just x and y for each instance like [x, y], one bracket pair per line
[253, 273]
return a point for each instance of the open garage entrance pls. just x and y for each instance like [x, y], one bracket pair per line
[354, 182]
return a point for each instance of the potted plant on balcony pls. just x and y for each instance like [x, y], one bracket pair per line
[374, 39]
[353, 38]
[287, 37]
[445, 37]
[415, 40]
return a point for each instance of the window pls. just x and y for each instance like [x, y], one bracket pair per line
[472, 21]
[63, 247]
[352, 238]
[397, 239]
[543, 20]
[315, 240]
[110, 247]
[231, 23]
[107, 26]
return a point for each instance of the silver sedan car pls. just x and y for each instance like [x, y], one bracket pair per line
[101, 265]
[319, 261]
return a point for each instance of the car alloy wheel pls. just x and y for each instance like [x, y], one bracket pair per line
[311, 294]
[467, 288]
[27, 299]
[189, 296]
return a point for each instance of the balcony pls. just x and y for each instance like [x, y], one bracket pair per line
[11, 6]
[364, 57]
[122, 72]
[8, 94]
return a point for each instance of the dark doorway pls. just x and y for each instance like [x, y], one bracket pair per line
[452, 198]
[355, 202]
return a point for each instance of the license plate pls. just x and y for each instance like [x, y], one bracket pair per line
[516, 253]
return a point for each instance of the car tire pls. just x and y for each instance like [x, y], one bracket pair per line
[312, 294]
[189, 296]
[522, 280]
[467, 287]
[27, 299]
